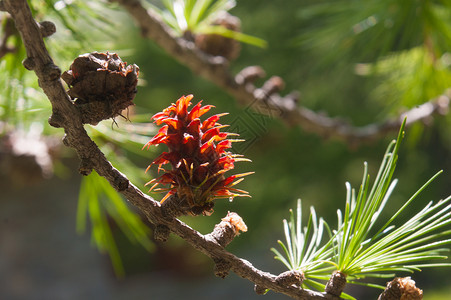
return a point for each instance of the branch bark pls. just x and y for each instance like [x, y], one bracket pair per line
[216, 69]
[66, 116]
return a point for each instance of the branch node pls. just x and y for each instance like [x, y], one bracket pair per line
[293, 98]
[222, 267]
[161, 233]
[401, 288]
[29, 63]
[47, 28]
[228, 229]
[249, 75]
[290, 277]
[51, 72]
[336, 283]
[273, 85]
[260, 290]
[86, 167]
[56, 120]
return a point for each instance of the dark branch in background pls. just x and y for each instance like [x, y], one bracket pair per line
[216, 69]
[7, 31]
[65, 115]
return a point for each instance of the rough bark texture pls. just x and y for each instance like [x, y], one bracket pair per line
[336, 283]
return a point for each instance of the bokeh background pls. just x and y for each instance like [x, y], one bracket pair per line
[363, 62]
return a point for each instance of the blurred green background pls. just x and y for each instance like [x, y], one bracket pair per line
[364, 62]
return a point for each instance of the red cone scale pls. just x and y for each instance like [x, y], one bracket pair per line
[198, 156]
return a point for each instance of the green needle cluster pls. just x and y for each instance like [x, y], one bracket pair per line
[99, 201]
[362, 246]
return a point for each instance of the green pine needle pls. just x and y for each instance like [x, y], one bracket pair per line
[197, 17]
[361, 253]
[98, 200]
[362, 248]
[302, 250]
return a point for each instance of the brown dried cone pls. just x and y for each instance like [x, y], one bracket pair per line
[401, 289]
[219, 45]
[228, 228]
[102, 85]
[336, 283]
[290, 277]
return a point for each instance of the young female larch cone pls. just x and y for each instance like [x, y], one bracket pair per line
[198, 156]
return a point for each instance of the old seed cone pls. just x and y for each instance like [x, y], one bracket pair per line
[218, 45]
[102, 85]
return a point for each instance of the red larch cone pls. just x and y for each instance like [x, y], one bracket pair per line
[198, 156]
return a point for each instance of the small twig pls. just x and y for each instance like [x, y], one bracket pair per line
[66, 116]
[216, 69]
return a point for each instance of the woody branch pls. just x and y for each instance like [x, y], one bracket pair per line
[66, 116]
[241, 87]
